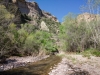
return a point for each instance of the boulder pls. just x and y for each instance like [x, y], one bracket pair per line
[43, 26]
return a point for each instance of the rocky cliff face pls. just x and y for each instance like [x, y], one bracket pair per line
[50, 16]
[34, 10]
[31, 9]
[29, 12]
[87, 17]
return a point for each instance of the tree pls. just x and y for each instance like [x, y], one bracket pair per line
[92, 6]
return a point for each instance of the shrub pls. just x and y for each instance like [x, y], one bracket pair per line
[91, 52]
[79, 36]
[5, 16]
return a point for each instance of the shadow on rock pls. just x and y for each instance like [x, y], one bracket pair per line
[80, 73]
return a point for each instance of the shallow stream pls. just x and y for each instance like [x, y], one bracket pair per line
[37, 68]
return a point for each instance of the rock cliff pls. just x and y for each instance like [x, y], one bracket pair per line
[28, 12]
[87, 17]
[30, 8]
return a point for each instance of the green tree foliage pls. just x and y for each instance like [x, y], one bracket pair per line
[79, 36]
[5, 16]
[24, 41]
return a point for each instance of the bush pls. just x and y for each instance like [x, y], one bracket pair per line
[5, 16]
[31, 45]
[81, 36]
[91, 52]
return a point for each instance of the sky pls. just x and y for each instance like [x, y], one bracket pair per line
[61, 8]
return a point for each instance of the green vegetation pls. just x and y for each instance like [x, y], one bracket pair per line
[52, 25]
[5, 16]
[71, 35]
[82, 36]
[26, 40]
[89, 52]
[79, 36]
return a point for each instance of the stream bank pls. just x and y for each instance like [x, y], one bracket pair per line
[74, 64]
[15, 61]
[54, 65]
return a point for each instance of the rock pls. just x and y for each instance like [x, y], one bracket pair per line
[33, 23]
[34, 10]
[43, 26]
[87, 17]
[14, 1]
[48, 15]
[20, 61]
[26, 11]
[60, 69]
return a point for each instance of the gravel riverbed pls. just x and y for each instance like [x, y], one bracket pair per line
[64, 68]
[60, 69]
[77, 65]
[69, 65]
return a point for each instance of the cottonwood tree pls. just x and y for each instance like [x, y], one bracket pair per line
[93, 7]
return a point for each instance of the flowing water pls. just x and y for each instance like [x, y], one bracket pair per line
[37, 68]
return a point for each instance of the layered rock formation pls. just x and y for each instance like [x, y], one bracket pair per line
[30, 12]
[50, 16]
[34, 10]
[87, 17]
[31, 9]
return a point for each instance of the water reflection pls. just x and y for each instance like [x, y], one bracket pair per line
[38, 68]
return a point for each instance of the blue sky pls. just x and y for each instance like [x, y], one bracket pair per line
[60, 8]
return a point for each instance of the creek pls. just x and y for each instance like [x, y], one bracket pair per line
[41, 67]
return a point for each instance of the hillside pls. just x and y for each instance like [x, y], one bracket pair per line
[24, 12]
[26, 29]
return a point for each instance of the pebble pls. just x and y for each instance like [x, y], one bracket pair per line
[60, 69]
